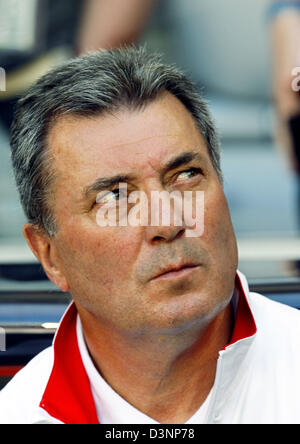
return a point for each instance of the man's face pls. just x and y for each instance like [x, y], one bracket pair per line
[112, 271]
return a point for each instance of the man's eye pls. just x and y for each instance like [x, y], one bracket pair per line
[188, 174]
[110, 197]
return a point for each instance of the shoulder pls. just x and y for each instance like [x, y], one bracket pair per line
[281, 320]
[276, 322]
[263, 307]
[275, 361]
[20, 398]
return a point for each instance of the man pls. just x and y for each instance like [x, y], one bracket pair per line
[163, 328]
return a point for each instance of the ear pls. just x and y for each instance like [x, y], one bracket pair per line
[45, 251]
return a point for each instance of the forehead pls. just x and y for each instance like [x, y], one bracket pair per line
[124, 142]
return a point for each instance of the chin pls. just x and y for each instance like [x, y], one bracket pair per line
[187, 312]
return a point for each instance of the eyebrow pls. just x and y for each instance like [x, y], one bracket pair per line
[102, 183]
[182, 159]
[106, 183]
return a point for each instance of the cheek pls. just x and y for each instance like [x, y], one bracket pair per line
[218, 229]
[96, 254]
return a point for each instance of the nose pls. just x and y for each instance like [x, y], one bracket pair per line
[163, 234]
[166, 217]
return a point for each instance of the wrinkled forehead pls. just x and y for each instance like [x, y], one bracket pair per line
[125, 139]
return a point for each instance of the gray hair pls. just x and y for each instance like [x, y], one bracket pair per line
[102, 81]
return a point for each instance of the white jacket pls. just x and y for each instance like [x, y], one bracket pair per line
[257, 379]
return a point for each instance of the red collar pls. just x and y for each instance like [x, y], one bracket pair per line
[68, 395]
[244, 326]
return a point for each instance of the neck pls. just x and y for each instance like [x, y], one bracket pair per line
[166, 377]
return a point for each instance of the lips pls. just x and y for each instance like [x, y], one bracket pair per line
[172, 269]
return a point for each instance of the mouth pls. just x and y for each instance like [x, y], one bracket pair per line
[176, 272]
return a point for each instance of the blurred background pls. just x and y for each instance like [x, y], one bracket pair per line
[239, 53]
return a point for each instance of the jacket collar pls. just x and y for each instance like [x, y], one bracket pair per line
[244, 326]
[68, 396]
